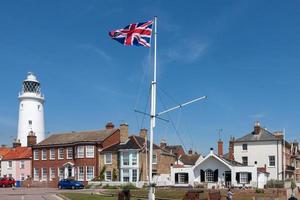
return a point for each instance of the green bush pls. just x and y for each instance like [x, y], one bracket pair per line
[128, 186]
[110, 187]
[275, 184]
[259, 191]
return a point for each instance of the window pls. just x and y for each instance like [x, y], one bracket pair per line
[36, 175]
[80, 152]
[89, 151]
[271, 161]
[134, 175]
[125, 158]
[22, 164]
[108, 158]
[125, 175]
[52, 173]
[80, 173]
[9, 164]
[243, 177]
[70, 153]
[181, 178]
[108, 175]
[44, 154]
[245, 160]
[61, 153]
[245, 147]
[154, 159]
[89, 173]
[44, 174]
[30, 122]
[209, 175]
[39, 107]
[52, 154]
[36, 154]
[22, 177]
[61, 173]
[134, 159]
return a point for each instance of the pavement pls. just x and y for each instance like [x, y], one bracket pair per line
[29, 194]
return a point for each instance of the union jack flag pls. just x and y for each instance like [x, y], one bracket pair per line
[138, 34]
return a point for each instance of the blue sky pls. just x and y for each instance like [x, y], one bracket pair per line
[244, 55]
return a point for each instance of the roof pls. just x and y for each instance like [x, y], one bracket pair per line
[77, 137]
[189, 159]
[4, 150]
[133, 142]
[18, 153]
[174, 149]
[231, 162]
[263, 135]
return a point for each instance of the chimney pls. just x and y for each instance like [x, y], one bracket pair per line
[16, 143]
[143, 133]
[220, 148]
[190, 152]
[109, 125]
[278, 134]
[257, 128]
[163, 144]
[211, 150]
[231, 148]
[31, 139]
[123, 132]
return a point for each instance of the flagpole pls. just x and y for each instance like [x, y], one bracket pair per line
[151, 195]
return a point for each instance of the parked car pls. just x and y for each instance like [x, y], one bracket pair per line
[70, 184]
[7, 182]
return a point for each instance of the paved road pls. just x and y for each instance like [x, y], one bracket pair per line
[29, 194]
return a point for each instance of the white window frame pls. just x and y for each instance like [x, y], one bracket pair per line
[80, 175]
[9, 164]
[154, 159]
[52, 154]
[246, 164]
[107, 176]
[123, 175]
[68, 153]
[134, 160]
[243, 177]
[80, 151]
[59, 156]
[51, 173]
[209, 176]
[272, 161]
[89, 177]
[44, 154]
[108, 161]
[132, 175]
[44, 175]
[22, 164]
[246, 145]
[36, 154]
[36, 175]
[22, 176]
[127, 158]
[60, 175]
[89, 151]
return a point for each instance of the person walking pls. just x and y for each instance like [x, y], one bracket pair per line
[229, 195]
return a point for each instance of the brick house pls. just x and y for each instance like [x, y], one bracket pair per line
[126, 161]
[73, 154]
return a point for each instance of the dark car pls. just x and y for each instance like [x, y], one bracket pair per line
[7, 182]
[70, 184]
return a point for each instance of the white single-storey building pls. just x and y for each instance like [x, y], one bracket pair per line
[218, 172]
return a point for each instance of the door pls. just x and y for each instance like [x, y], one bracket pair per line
[227, 178]
[69, 171]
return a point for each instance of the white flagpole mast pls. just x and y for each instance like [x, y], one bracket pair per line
[151, 195]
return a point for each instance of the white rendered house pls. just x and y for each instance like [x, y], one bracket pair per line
[261, 148]
[31, 110]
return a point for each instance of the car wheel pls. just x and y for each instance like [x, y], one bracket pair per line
[59, 187]
[73, 187]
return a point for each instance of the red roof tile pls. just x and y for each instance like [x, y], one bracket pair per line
[18, 153]
[4, 150]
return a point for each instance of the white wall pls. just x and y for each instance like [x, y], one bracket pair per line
[188, 170]
[5, 170]
[260, 151]
[251, 169]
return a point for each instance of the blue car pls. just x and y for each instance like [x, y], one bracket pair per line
[70, 184]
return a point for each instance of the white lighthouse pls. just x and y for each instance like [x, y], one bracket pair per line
[31, 110]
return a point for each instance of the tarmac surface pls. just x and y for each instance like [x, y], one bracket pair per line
[29, 194]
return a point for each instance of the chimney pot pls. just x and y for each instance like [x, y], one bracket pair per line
[16, 143]
[109, 125]
[257, 128]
